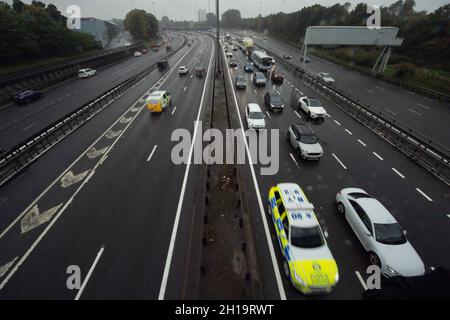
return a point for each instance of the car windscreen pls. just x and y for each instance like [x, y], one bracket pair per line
[267, 62]
[240, 79]
[275, 98]
[314, 103]
[325, 74]
[256, 115]
[306, 237]
[153, 100]
[260, 76]
[308, 139]
[389, 233]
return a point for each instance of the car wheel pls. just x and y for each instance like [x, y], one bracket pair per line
[309, 114]
[341, 208]
[286, 269]
[374, 259]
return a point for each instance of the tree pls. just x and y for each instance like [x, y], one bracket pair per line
[165, 21]
[211, 19]
[142, 25]
[18, 6]
[231, 18]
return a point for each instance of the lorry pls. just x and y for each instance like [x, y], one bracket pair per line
[247, 46]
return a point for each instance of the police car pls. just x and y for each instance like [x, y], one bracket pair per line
[157, 101]
[308, 262]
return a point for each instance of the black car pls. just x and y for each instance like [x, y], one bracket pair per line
[240, 82]
[233, 63]
[163, 64]
[273, 100]
[248, 67]
[28, 96]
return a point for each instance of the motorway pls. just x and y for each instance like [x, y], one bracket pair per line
[120, 194]
[353, 157]
[20, 122]
[428, 116]
[110, 200]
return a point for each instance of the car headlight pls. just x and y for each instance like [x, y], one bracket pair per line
[299, 279]
[392, 271]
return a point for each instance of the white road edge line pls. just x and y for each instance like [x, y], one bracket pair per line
[53, 221]
[151, 154]
[97, 258]
[165, 277]
[397, 172]
[275, 266]
[361, 280]
[425, 195]
[376, 155]
[340, 162]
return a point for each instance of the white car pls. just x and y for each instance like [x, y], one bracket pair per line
[86, 73]
[379, 233]
[183, 70]
[229, 54]
[304, 141]
[325, 77]
[137, 54]
[255, 117]
[312, 107]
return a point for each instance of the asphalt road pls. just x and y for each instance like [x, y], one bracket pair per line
[428, 116]
[353, 157]
[123, 199]
[20, 122]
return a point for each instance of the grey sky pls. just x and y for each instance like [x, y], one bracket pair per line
[187, 9]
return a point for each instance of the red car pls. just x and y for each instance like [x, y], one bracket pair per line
[277, 76]
[144, 51]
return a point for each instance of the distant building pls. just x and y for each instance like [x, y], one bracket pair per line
[103, 31]
[201, 15]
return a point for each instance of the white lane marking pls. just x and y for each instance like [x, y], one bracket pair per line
[28, 127]
[349, 132]
[173, 237]
[361, 280]
[275, 267]
[192, 76]
[94, 153]
[173, 111]
[267, 112]
[151, 154]
[70, 178]
[297, 114]
[448, 216]
[414, 111]
[293, 159]
[49, 226]
[423, 106]
[432, 268]
[376, 155]
[34, 218]
[88, 276]
[340, 162]
[184, 89]
[337, 122]
[424, 195]
[4, 268]
[390, 111]
[125, 120]
[291, 85]
[380, 88]
[397, 172]
[369, 91]
[255, 91]
[365, 145]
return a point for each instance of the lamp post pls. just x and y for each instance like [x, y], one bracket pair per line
[219, 67]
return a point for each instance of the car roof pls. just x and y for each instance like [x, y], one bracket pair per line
[303, 129]
[274, 92]
[157, 94]
[253, 107]
[375, 210]
[299, 210]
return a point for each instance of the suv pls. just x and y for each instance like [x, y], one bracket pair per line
[273, 101]
[255, 117]
[304, 141]
[240, 82]
[259, 79]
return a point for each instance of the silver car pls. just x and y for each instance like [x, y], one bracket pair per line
[304, 141]
[379, 233]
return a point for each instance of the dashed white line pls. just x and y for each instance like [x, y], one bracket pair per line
[390, 111]
[397, 172]
[267, 112]
[365, 145]
[99, 254]
[380, 88]
[174, 110]
[361, 280]
[297, 114]
[414, 111]
[376, 155]
[184, 89]
[337, 122]
[424, 195]
[349, 132]
[293, 159]
[423, 106]
[369, 91]
[340, 162]
[151, 154]
[448, 216]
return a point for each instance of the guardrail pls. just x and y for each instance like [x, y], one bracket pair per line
[431, 155]
[28, 151]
